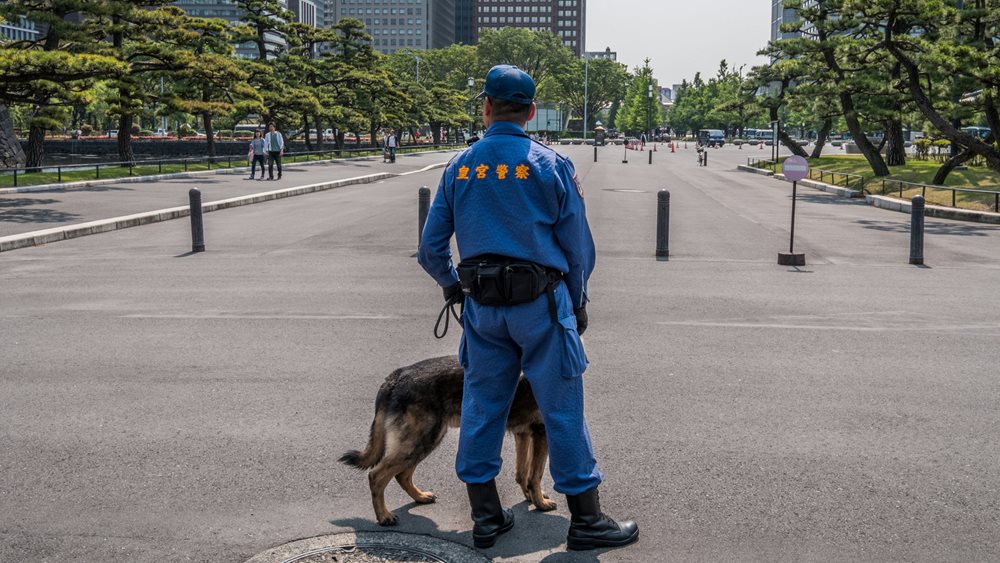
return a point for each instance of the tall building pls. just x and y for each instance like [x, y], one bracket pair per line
[781, 15]
[565, 18]
[307, 12]
[229, 11]
[464, 14]
[399, 24]
[22, 30]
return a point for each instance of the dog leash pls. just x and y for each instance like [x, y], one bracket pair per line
[449, 306]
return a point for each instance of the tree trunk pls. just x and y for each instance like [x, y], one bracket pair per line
[785, 139]
[942, 173]
[436, 132]
[319, 132]
[895, 153]
[125, 154]
[206, 118]
[11, 153]
[305, 127]
[36, 149]
[340, 142]
[821, 137]
[866, 147]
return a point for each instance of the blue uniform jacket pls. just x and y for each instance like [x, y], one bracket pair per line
[511, 196]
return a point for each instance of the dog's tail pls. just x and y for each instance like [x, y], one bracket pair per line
[373, 451]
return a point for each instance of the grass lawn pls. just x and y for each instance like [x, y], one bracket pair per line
[917, 172]
[78, 174]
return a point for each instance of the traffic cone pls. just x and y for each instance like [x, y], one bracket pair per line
[655, 145]
[673, 148]
[761, 145]
[685, 145]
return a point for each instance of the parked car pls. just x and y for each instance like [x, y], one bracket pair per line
[711, 138]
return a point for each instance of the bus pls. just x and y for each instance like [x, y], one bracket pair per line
[980, 132]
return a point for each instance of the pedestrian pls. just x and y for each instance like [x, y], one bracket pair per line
[516, 209]
[257, 152]
[274, 143]
[391, 143]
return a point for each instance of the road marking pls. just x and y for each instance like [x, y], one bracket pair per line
[783, 326]
[264, 317]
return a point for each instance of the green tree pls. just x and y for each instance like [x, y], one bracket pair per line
[51, 73]
[539, 53]
[639, 108]
[606, 83]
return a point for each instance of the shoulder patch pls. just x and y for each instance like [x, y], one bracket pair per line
[579, 186]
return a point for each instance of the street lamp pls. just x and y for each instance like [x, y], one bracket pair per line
[472, 91]
[649, 108]
[586, 82]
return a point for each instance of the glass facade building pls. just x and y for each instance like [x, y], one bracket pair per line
[400, 24]
[565, 18]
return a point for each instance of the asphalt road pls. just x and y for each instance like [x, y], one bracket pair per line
[160, 406]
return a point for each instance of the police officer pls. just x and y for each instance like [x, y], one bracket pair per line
[509, 199]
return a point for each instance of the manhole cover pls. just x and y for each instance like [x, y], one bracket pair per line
[626, 191]
[370, 547]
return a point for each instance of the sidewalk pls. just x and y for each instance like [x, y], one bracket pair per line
[23, 213]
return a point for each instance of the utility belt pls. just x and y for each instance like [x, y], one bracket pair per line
[501, 281]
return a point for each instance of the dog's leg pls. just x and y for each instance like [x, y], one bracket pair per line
[378, 479]
[522, 461]
[539, 455]
[405, 480]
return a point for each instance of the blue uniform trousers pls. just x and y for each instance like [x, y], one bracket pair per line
[497, 344]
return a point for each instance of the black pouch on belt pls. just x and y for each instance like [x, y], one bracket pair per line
[497, 280]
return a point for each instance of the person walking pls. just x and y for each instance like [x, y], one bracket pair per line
[275, 146]
[391, 143]
[257, 153]
[517, 211]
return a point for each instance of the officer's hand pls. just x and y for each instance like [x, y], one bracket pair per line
[453, 294]
[581, 319]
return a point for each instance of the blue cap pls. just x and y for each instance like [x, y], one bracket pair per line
[506, 82]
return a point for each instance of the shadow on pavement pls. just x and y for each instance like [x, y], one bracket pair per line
[930, 227]
[37, 216]
[25, 202]
[512, 544]
[829, 199]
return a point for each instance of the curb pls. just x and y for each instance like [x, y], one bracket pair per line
[936, 211]
[760, 171]
[894, 204]
[46, 236]
[66, 186]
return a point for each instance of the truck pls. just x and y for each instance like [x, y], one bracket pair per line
[711, 138]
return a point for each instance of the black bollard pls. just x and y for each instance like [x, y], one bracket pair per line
[651, 157]
[595, 151]
[197, 225]
[917, 230]
[423, 208]
[625, 160]
[663, 225]
[704, 157]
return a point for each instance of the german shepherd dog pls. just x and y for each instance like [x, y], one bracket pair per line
[413, 410]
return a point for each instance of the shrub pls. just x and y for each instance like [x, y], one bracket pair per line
[87, 129]
[185, 130]
[136, 130]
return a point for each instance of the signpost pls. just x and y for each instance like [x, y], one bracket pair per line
[794, 169]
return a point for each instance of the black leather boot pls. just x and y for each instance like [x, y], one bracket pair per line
[590, 528]
[489, 518]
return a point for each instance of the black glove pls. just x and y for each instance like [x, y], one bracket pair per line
[581, 319]
[453, 294]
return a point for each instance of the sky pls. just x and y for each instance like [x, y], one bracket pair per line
[681, 37]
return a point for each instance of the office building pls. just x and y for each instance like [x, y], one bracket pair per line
[231, 12]
[464, 16]
[564, 18]
[605, 54]
[21, 30]
[307, 12]
[400, 24]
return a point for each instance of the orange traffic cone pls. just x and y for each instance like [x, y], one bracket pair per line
[685, 145]
[655, 145]
[762, 145]
[673, 148]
